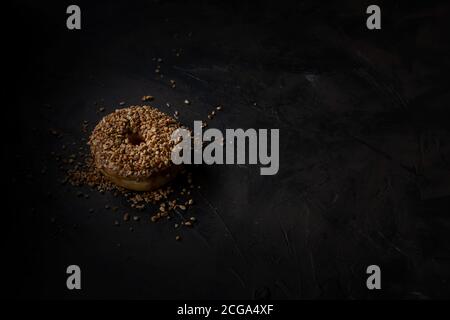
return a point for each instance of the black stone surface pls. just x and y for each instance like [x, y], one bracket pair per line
[364, 149]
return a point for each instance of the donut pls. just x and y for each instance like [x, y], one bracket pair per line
[132, 148]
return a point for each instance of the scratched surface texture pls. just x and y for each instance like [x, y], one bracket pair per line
[364, 149]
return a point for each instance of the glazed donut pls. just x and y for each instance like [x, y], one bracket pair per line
[132, 148]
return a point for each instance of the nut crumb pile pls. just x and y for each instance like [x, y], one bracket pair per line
[89, 175]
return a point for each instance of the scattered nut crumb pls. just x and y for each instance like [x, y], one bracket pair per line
[148, 98]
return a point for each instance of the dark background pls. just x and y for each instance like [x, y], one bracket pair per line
[364, 149]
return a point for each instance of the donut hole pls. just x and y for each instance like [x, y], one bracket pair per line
[135, 138]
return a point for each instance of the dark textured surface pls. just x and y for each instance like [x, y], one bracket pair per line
[364, 150]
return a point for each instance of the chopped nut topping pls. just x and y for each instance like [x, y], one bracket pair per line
[134, 142]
